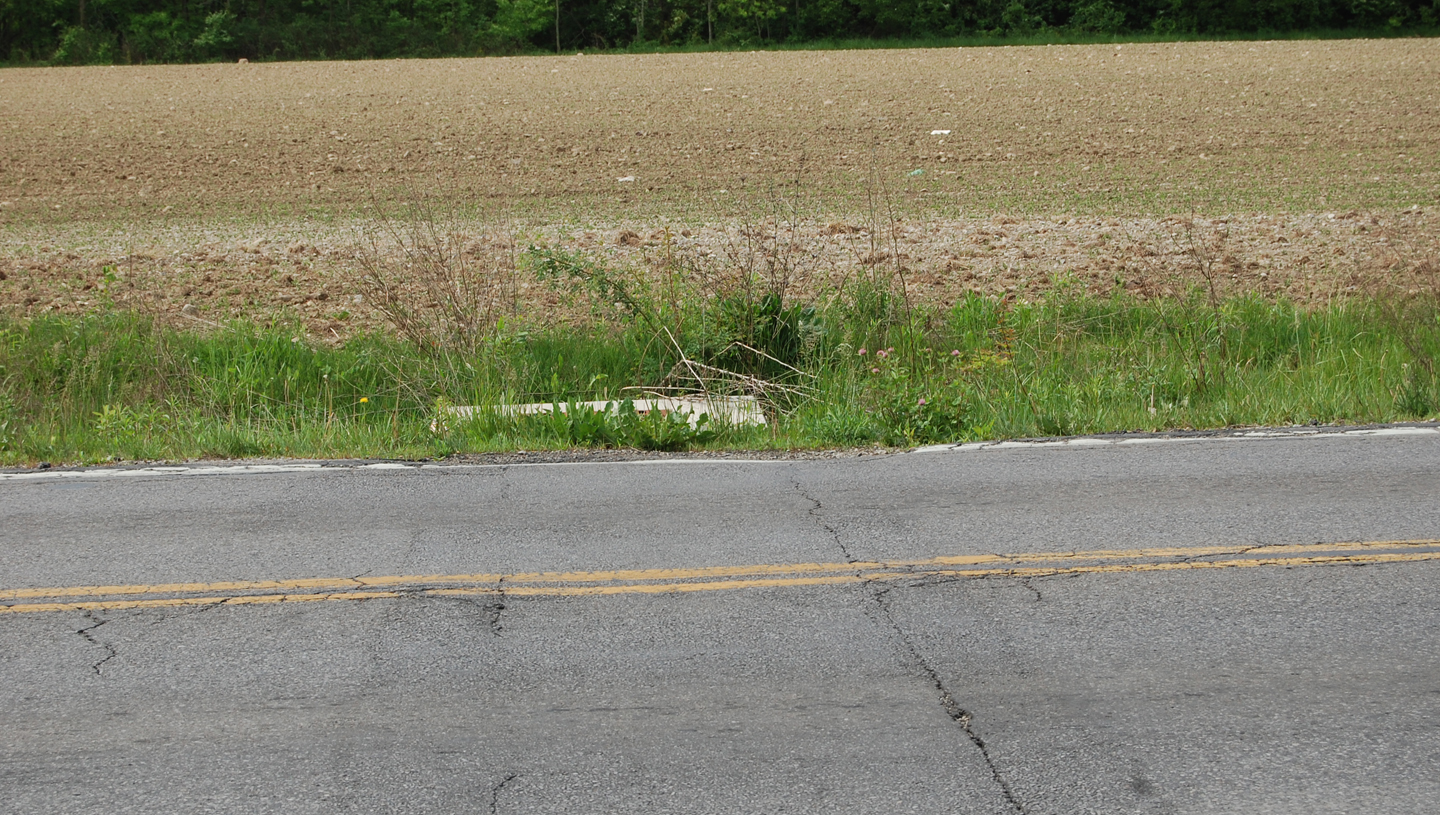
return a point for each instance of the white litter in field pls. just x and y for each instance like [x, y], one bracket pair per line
[737, 411]
[626, 179]
[939, 132]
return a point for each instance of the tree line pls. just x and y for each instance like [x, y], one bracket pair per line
[153, 31]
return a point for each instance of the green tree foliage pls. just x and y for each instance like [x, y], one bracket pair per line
[150, 31]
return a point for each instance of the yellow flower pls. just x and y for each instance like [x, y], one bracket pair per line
[364, 399]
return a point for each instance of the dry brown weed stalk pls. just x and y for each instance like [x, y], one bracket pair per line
[439, 285]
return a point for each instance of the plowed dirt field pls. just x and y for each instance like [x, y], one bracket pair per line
[1305, 168]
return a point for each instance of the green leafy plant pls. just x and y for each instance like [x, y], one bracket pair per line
[924, 398]
[515, 23]
[576, 424]
[216, 35]
[844, 425]
[579, 274]
[581, 425]
[765, 336]
[85, 46]
[663, 430]
[1097, 17]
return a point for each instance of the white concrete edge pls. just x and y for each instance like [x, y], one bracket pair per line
[1120, 441]
[739, 411]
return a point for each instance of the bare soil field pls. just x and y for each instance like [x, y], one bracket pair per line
[1302, 169]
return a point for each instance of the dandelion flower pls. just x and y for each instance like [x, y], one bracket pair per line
[364, 399]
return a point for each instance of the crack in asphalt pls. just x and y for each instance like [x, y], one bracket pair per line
[186, 612]
[110, 652]
[880, 594]
[814, 513]
[491, 612]
[495, 792]
[495, 609]
[492, 616]
[952, 708]
[1025, 581]
[1244, 550]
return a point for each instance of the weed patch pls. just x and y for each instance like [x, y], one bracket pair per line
[119, 386]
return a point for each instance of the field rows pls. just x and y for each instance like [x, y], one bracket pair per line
[243, 187]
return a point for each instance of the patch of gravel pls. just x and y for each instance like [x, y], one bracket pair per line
[619, 455]
[572, 456]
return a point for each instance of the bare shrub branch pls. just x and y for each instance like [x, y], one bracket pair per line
[441, 287]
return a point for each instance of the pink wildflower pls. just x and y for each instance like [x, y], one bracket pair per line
[862, 352]
[922, 400]
[874, 370]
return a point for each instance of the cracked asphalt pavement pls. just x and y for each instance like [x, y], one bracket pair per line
[1205, 626]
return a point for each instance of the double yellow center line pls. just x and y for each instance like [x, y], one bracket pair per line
[712, 578]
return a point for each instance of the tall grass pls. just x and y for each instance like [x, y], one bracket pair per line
[1077, 365]
[119, 386]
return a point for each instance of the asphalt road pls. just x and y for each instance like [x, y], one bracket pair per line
[1197, 626]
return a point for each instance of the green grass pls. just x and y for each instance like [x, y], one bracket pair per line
[116, 385]
[1079, 366]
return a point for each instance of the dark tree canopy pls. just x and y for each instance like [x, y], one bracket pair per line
[148, 31]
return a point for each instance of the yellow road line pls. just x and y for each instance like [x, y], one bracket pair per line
[356, 583]
[336, 583]
[668, 588]
[175, 602]
[1241, 563]
[717, 578]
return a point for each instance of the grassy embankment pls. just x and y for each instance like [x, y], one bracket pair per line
[856, 367]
